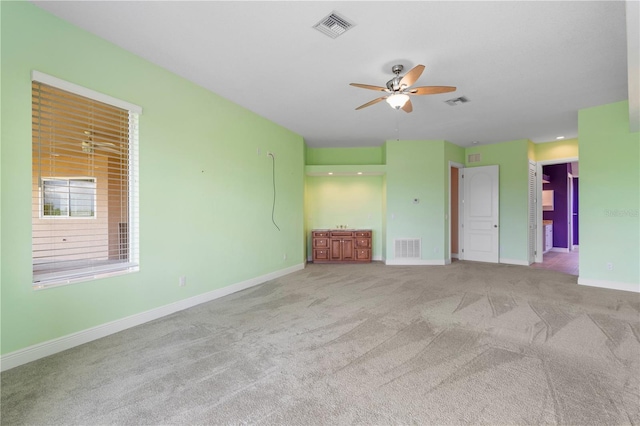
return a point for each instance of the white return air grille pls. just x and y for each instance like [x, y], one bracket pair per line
[408, 248]
[474, 158]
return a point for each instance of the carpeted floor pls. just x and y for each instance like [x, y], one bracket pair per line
[468, 343]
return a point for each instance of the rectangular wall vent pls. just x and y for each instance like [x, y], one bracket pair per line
[474, 158]
[333, 25]
[408, 248]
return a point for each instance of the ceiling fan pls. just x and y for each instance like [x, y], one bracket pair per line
[89, 146]
[399, 89]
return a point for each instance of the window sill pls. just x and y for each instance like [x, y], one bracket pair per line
[83, 277]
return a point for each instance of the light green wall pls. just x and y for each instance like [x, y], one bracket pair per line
[555, 150]
[609, 196]
[354, 201]
[416, 169]
[512, 159]
[205, 194]
[344, 156]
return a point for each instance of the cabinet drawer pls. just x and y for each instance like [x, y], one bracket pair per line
[363, 233]
[320, 254]
[363, 254]
[320, 243]
[363, 242]
[341, 234]
[315, 234]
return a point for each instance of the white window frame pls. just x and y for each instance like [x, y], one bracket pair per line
[45, 281]
[68, 216]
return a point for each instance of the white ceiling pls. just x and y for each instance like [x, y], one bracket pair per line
[526, 67]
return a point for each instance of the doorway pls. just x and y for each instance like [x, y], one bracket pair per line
[454, 209]
[474, 211]
[557, 219]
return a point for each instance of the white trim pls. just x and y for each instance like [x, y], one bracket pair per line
[612, 285]
[55, 279]
[454, 255]
[414, 262]
[377, 258]
[560, 249]
[50, 347]
[514, 261]
[83, 91]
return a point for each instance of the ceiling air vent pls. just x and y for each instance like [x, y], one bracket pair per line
[457, 101]
[333, 25]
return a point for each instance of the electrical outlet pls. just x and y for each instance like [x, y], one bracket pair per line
[182, 281]
[435, 249]
[609, 266]
[259, 151]
[284, 256]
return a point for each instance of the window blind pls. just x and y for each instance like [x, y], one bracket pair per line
[84, 209]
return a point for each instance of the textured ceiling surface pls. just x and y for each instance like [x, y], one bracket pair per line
[526, 67]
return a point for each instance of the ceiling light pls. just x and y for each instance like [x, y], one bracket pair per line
[398, 100]
[359, 173]
[560, 137]
[330, 173]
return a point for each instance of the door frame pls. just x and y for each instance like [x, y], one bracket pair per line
[459, 166]
[540, 230]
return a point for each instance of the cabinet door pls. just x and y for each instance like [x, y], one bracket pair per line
[336, 249]
[347, 249]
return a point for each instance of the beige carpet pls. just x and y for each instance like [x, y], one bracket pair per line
[468, 343]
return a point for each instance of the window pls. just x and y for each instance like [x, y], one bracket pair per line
[68, 197]
[85, 183]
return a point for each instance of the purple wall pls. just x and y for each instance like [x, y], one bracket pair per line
[558, 176]
[576, 210]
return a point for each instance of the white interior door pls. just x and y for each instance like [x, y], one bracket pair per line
[481, 214]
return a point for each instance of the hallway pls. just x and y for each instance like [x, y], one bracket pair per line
[561, 262]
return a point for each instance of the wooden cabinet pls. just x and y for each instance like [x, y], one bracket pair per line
[341, 246]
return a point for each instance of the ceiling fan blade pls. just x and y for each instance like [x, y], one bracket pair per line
[430, 90]
[375, 101]
[97, 143]
[412, 76]
[370, 87]
[408, 106]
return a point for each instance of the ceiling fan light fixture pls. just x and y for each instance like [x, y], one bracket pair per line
[398, 100]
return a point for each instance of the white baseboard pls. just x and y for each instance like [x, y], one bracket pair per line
[560, 249]
[414, 262]
[613, 285]
[514, 261]
[50, 347]
[454, 255]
